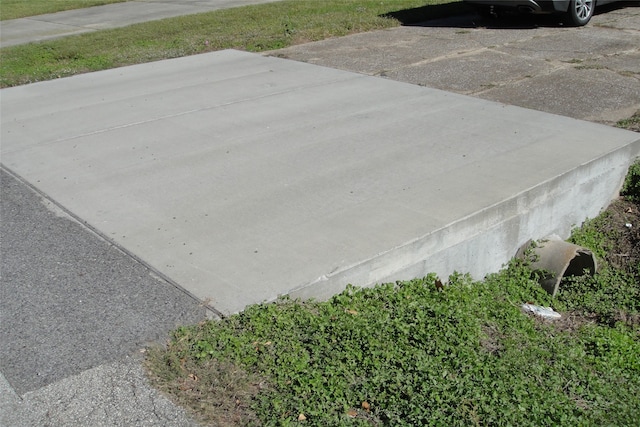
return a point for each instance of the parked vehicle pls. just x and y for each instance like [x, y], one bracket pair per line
[576, 12]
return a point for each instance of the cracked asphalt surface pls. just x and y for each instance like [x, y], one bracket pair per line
[112, 394]
[75, 312]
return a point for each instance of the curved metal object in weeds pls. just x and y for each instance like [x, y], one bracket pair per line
[555, 259]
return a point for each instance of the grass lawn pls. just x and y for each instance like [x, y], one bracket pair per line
[12, 9]
[419, 353]
[252, 28]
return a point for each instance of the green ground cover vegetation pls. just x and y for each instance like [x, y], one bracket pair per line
[419, 353]
[632, 123]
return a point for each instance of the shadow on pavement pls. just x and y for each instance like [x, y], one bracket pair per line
[420, 15]
[460, 15]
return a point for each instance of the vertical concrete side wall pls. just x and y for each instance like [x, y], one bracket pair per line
[485, 241]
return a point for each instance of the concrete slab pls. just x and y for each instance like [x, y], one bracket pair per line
[581, 92]
[53, 25]
[390, 50]
[573, 45]
[627, 64]
[242, 177]
[472, 72]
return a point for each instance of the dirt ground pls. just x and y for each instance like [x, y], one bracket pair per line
[622, 224]
[625, 223]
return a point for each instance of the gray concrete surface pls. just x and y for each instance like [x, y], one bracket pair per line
[55, 25]
[251, 177]
[328, 161]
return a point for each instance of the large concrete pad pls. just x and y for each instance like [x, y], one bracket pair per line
[242, 177]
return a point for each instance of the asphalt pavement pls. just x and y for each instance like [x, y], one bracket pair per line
[75, 314]
[78, 305]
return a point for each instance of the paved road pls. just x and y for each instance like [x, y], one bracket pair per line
[76, 310]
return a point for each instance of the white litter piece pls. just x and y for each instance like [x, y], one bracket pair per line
[546, 312]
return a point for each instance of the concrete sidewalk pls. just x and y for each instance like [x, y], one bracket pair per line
[78, 21]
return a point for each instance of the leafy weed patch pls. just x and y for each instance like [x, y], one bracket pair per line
[414, 354]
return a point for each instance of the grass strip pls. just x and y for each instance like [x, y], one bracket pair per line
[252, 28]
[13, 9]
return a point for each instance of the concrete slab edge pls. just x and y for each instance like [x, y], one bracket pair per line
[485, 241]
[212, 312]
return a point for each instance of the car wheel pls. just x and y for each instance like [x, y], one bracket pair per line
[580, 12]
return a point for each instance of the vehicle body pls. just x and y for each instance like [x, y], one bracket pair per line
[576, 12]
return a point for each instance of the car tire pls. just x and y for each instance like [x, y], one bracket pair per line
[580, 12]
